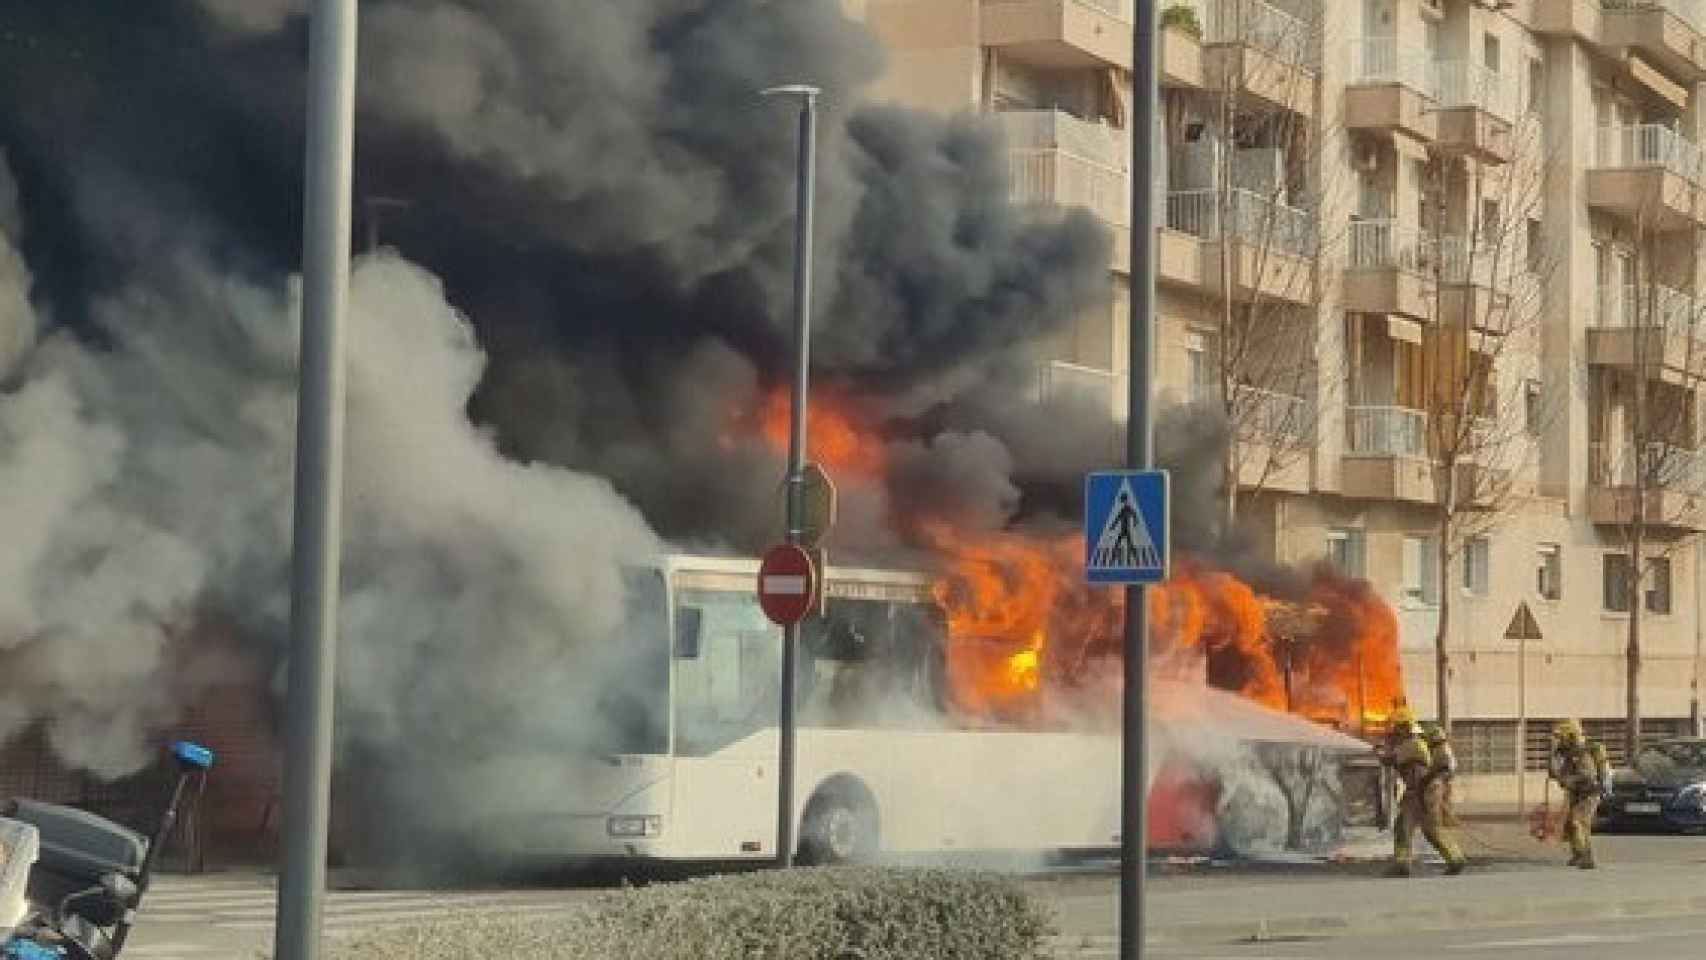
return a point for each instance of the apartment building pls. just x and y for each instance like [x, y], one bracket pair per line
[1362, 200]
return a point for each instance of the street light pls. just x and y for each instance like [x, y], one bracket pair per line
[804, 204]
[315, 553]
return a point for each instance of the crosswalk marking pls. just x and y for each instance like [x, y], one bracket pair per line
[244, 910]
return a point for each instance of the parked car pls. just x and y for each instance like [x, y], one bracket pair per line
[1664, 788]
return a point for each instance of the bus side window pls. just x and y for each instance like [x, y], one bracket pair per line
[689, 628]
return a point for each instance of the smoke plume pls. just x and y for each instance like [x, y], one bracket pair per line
[583, 299]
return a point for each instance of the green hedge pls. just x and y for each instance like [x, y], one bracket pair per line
[831, 914]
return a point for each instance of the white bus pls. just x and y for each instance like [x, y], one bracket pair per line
[880, 768]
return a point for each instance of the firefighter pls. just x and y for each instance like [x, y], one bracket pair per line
[1442, 767]
[1422, 804]
[1581, 769]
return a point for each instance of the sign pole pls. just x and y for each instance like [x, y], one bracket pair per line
[1522, 725]
[1134, 779]
[804, 207]
[315, 553]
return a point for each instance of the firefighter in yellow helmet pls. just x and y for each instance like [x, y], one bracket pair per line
[1423, 802]
[1581, 768]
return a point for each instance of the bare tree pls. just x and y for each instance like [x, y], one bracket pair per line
[1490, 267]
[1645, 410]
[1248, 147]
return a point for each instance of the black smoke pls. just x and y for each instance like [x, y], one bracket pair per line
[588, 297]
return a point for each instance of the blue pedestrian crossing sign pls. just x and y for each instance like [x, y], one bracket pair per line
[1125, 527]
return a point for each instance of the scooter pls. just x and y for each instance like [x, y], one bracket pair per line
[92, 870]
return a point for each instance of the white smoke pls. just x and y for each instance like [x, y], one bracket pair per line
[149, 483]
[17, 317]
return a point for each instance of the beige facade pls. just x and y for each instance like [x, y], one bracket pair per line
[1518, 186]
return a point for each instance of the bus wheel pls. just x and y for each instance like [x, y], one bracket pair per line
[840, 825]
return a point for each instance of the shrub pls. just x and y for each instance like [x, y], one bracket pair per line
[829, 914]
[1183, 16]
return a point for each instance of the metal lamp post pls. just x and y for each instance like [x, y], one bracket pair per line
[315, 553]
[1140, 454]
[805, 201]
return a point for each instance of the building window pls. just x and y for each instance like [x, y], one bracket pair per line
[1421, 568]
[1531, 409]
[1616, 586]
[1201, 378]
[1535, 246]
[1549, 571]
[1658, 587]
[1345, 552]
[1536, 85]
[1490, 52]
[1477, 560]
[1490, 223]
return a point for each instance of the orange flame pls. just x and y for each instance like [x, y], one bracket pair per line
[1022, 621]
[833, 434]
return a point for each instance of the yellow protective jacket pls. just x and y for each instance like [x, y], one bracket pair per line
[1580, 767]
[1411, 758]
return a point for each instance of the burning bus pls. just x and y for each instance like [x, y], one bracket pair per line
[920, 733]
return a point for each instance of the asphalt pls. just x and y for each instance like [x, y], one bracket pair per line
[1513, 880]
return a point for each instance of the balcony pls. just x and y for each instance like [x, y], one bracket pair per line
[1649, 172]
[1667, 32]
[1476, 108]
[1390, 270]
[1475, 282]
[1181, 60]
[1271, 246]
[1392, 90]
[1255, 47]
[1082, 387]
[1057, 159]
[1060, 34]
[1653, 327]
[1386, 454]
[1676, 485]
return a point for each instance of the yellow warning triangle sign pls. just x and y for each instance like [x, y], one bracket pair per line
[1522, 625]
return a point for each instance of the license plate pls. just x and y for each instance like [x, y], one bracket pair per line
[1642, 808]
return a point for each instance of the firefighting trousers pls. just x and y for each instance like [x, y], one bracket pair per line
[1425, 810]
[1578, 825]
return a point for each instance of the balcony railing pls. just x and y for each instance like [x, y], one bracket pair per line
[1249, 216]
[1270, 414]
[1383, 60]
[1649, 145]
[1058, 130]
[1463, 83]
[1388, 244]
[1065, 179]
[1260, 24]
[1653, 306]
[1691, 12]
[1387, 431]
[1080, 386]
[1666, 466]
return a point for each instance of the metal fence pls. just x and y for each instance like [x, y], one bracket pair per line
[1059, 130]
[1384, 60]
[1464, 83]
[1248, 215]
[1649, 145]
[1665, 465]
[1387, 431]
[1270, 413]
[1261, 24]
[1650, 305]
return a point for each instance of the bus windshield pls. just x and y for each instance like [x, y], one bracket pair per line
[728, 668]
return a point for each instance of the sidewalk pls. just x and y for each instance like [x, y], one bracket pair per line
[1238, 911]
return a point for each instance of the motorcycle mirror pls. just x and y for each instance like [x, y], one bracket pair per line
[192, 756]
[120, 888]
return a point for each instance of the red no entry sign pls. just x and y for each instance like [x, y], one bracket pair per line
[787, 584]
